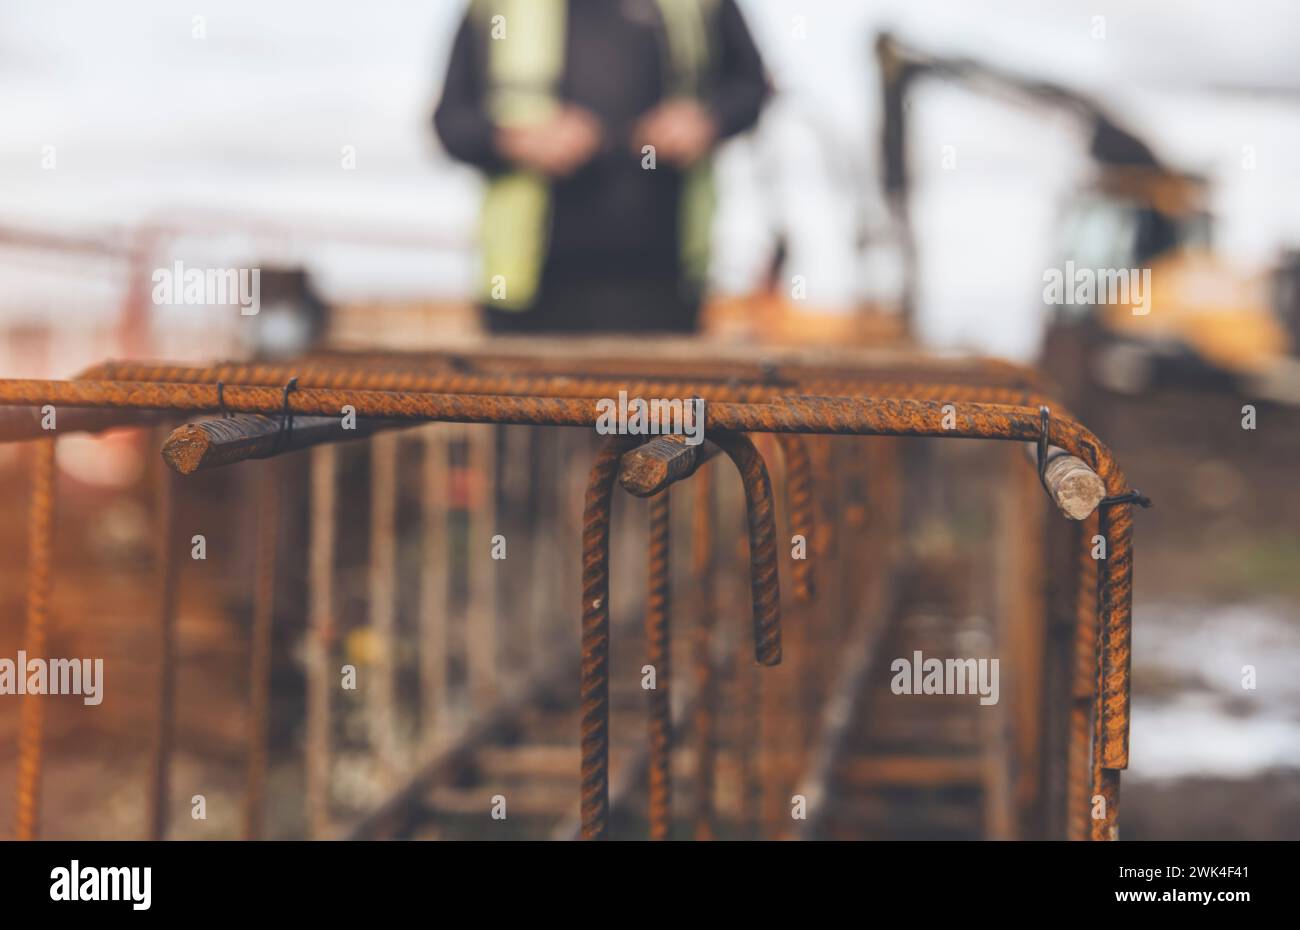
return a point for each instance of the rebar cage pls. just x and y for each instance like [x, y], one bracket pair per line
[465, 667]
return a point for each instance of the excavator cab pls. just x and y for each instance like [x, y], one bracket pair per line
[1139, 218]
[1101, 230]
[1205, 316]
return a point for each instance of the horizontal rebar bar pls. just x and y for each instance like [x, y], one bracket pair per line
[789, 414]
[712, 360]
[654, 465]
[387, 377]
[216, 441]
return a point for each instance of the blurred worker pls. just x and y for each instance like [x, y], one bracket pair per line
[594, 121]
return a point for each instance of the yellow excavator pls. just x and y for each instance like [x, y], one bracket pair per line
[1203, 313]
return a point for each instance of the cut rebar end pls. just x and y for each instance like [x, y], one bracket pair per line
[185, 447]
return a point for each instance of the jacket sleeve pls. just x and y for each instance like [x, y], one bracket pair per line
[740, 85]
[461, 119]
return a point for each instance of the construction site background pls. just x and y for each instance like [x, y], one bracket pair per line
[132, 143]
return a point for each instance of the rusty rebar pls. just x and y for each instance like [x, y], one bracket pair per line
[1084, 679]
[803, 520]
[658, 656]
[654, 465]
[1110, 746]
[638, 468]
[213, 442]
[385, 376]
[731, 408]
[702, 566]
[1105, 781]
[666, 359]
[760, 517]
[673, 354]
[1116, 598]
[466, 372]
[630, 777]
[804, 414]
[888, 416]
[31, 722]
[594, 688]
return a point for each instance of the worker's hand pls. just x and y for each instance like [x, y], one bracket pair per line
[681, 131]
[557, 147]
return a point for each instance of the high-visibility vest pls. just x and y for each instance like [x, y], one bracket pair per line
[525, 63]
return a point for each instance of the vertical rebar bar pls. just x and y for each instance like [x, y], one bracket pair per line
[763, 575]
[658, 646]
[1110, 730]
[773, 695]
[802, 516]
[1116, 600]
[31, 724]
[1104, 797]
[702, 563]
[594, 688]
[1082, 695]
